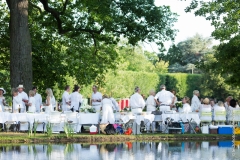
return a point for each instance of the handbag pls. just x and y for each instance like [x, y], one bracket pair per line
[110, 129]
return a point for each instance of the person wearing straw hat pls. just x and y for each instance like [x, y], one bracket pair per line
[2, 99]
[23, 96]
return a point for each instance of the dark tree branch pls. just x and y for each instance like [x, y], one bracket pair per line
[65, 6]
[35, 6]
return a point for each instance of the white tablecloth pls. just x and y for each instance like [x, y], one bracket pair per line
[182, 116]
[88, 118]
[138, 118]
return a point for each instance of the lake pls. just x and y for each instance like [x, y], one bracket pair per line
[222, 150]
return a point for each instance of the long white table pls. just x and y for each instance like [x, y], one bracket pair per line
[185, 117]
[88, 118]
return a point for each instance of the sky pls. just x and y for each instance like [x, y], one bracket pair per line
[187, 24]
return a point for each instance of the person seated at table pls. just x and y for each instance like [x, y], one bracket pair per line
[231, 108]
[186, 107]
[49, 101]
[2, 99]
[218, 107]
[137, 102]
[17, 101]
[76, 99]
[107, 111]
[31, 102]
[151, 106]
[206, 104]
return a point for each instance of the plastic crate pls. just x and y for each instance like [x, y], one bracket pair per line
[225, 129]
[213, 129]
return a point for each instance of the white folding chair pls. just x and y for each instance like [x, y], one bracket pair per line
[55, 121]
[72, 119]
[219, 115]
[23, 123]
[206, 116]
[235, 115]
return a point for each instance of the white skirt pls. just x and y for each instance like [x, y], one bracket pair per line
[108, 116]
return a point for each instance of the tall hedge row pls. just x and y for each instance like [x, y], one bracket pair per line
[122, 83]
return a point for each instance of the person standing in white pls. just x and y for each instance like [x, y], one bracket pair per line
[96, 99]
[66, 99]
[186, 107]
[23, 96]
[115, 105]
[107, 110]
[49, 100]
[2, 99]
[32, 102]
[165, 99]
[17, 101]
[151, 106]
[38, 100]
[196, 103]
[75, 98]
[137, 102]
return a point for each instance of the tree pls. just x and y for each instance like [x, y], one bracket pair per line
[225, 17]
[86, 30]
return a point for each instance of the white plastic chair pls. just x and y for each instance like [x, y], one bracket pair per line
[23, 123]
[235, 114]
[55, 121]
[219, 115]
[72, 119]
[206, 116]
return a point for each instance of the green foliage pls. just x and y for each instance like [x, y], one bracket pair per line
[68, 130]
[49, 129]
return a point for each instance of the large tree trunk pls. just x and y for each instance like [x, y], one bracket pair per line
[20, 45]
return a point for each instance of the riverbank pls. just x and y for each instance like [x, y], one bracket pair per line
[11, 137]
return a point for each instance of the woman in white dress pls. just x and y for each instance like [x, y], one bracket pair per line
[2, 99]
[49, 100]
[31, 102]
[186, 107]
[17, 101]
[75, 98]
[107, 110]
[151, 103]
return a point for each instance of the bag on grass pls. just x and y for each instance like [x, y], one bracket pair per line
[110, 129]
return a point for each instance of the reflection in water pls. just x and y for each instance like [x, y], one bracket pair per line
[124, 151]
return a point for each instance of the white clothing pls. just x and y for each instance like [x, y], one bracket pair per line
[206, 106]
[1, 104]
[175, 100]
[164, 97]
[115, 104]
[218, 108]
[24, 96]
[97, 108]
[53, 102]
[96, 96]
[32, 108]
[136, 110]
[137, 101]
[38, 102]
[49, 108]
[186, 108]
[151, 104]
[107, 110]
[196, 104]
[76, 99]
[65, 99]
[17, 103]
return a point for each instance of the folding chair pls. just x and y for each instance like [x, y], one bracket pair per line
[23, 123]
[55, 121]
[72, 120]
[235, 116]
[206, 116]
[219, 116]
[8, 124]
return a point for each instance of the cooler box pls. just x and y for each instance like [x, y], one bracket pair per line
[225, 144]
[93, 129]
[225, 129]
[205, 129]
[213, 129]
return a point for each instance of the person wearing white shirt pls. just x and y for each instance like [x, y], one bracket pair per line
[66, 99]
[186, 107]
[75, 98]
[196, 104]
[96, 99]
[38, 100]
[151, 106]
[232, 107]
[17, 101]
[115, 104]
[165, 99]
[107, 110]
[2, 99]
[23, 96]
[137, 102]
[49, 101]
[32, 102]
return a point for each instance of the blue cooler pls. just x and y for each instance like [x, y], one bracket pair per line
[225, 129]
[225, 144]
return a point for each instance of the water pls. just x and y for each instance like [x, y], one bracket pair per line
[122, 151]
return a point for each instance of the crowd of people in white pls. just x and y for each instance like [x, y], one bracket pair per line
[164, 100]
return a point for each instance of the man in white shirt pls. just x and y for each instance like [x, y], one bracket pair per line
[165, 99]
[137, 102]
[96, 99]
[23, 96]
[66, 99]
[195, 103]
[38, 100]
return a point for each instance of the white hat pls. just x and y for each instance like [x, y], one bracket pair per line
[20, 86]
[4, 92]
